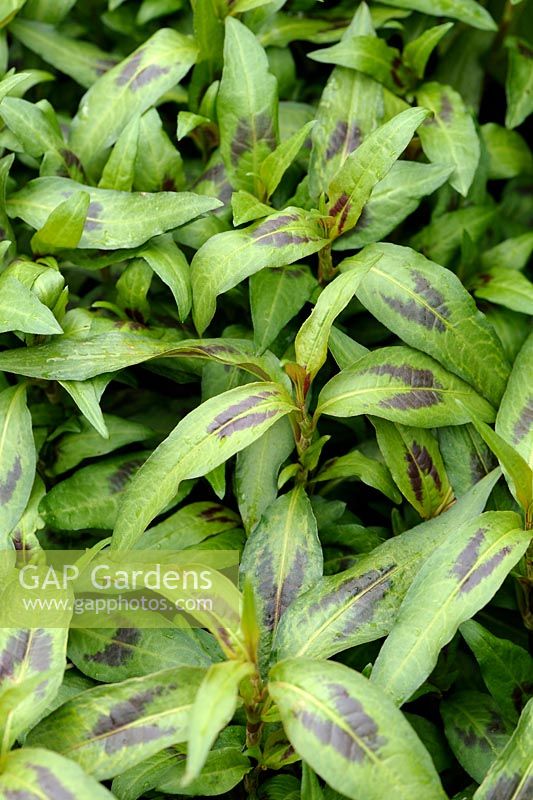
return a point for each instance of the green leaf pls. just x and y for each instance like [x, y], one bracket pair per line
[515, 416]
[350, 733]
[189, 527]
[352, 186]
[136, 781]
[169, 264]
[37, 772]
[510, 773]
[276, 296]
[449, 137]
[282, 559]
[506, 287]
[401, 385]
[280, 239]
[205, 438]
[116, 654]
[506, 668]
[510, 254]
[311, 343]
[369, 55]
[246, 107]
[475, 729]
[392, 200]
[466, 456]
[344, 349]
[427, 306]
[246, 207]
[519, 82]
[119, 171]
[444, 236]
[413, 456]
[359, 605]
[108, 729]
[20, 310]
[457, 579]
[256, 471]
[224, 768]
[109, 219]
[87, 395]
[17, 458]
[213, 709]
[126, 90]
[350, 108]
[31, 126]
[465, 10]
[64, 226]
[158, 165]
[277, 163]
[90, 497]
[356, 465]
[417, 52]
[508, 152]
[82, 61]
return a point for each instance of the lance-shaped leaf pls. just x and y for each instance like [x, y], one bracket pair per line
[449, 137]
[64, 225]
[356, 465]
[427, 306]
[224, 768]
[508, 153]
[506, 287]
[32, 663]
[465, 10]
[108, 224]
[169, 263]
[32, 127]
[136, 781]
[276, 296]
[519, 82]
[282, 559]
[511, 774]
[127, 90]
[87, 395]
[110, 728]
[246, 107]
[417, 52]
[507, 668]
[21, 310]
[515, 416]
[213, 708]
[280, 239]
[119, 171]
[17, 457]
[444, 236]
[350, 732]
[207, 437]
[75, 359]
[352, 186]
[82, 61]
[392, 200]
[116, 654]
[256, 471]
[475, 729]
[311, 344]
[189, 526]
[414, 459]
[359, 605]
[158, 165]
[458, 579]
[277, 163]
[350, 108]
[33, 772]
[402, 385]
[370, 55]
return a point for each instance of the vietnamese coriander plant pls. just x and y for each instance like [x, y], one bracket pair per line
[264, 288]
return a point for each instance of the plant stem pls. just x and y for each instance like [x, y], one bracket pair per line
[326, 270]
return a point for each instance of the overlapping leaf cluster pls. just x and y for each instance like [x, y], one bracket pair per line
[264, 287]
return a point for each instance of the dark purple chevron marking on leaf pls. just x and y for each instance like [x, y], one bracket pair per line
[129, 69]
[147, 75]
[352, 744]
[276, 604]
[417, 379]
[9, 484]
[273, 225]
[484, 570]
[271, 232]
[14, 653]
[216, 514]
[20, 794]
[419, 462]
[120, 478]
[524, 422]
[116, 726]
[118, 651]
[249, 133]
[345, 137]
[92, 224]
[103, 65]
[71, 159]
[506, 786]
[469, 555]
[41, 650]
[216, 174]
[521, 694]
[230, 420]
[365, 590]
[425, 315]
[50, 785]
[446, 108]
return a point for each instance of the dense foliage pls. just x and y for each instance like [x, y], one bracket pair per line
[264, 288]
